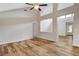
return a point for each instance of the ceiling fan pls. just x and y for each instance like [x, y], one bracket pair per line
[35, 6]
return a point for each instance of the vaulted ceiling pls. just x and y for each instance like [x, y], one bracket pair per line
[10, 6]
[17, 9]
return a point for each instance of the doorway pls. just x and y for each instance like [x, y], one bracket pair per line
[65, 30]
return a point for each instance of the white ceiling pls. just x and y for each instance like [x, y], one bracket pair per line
[15, 9]
[9, 6]
[18, 13]
[64, 5]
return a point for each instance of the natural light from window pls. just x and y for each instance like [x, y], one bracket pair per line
[46, 25]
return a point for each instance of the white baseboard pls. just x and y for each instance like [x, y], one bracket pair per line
[6, 42]
[47, 39]
[77, 45]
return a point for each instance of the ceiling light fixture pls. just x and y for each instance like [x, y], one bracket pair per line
[36, 7]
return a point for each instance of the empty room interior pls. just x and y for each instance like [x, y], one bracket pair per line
[39, 29]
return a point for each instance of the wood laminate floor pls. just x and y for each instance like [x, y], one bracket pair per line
[36, 47]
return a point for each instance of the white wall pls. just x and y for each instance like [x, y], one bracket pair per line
[16, 24]
[15, 29]
[49, 36]
[76, 26]
[76, 31]
[18, 32]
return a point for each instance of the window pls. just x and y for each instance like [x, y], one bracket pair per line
[61, 17]
[46, 25]
[69, 15]
[70, 28]
[46, 10]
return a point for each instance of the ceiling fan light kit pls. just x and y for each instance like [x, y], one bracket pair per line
[35, 6]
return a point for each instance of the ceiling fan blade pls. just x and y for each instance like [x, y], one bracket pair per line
[31, 8]
[29, 3]
[25, 10]
[39, 9]
[43, 5]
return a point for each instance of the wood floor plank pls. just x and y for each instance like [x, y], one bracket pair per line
[36, 47]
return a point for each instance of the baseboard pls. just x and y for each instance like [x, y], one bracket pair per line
[75, 45]
[61, 36]
[1, 43]
[45, 39]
